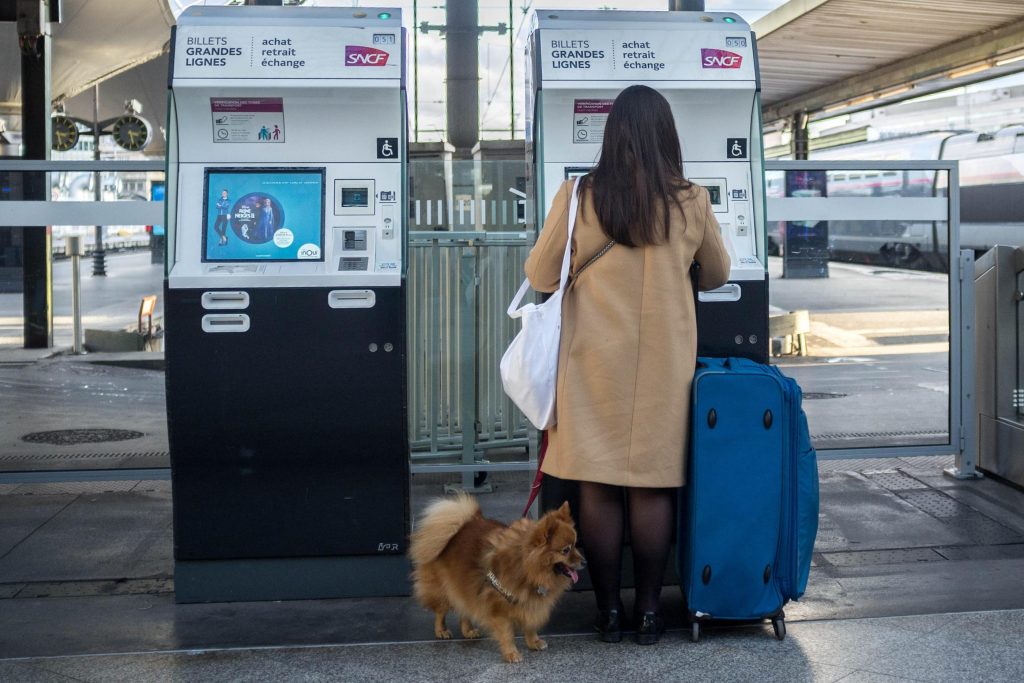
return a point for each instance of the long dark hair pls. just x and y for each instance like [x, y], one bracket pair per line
[640, 170]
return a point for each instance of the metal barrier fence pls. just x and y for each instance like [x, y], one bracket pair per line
[459, 286]
[467, 243]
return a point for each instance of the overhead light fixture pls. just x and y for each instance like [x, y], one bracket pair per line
[969, 71]
[895, 91]
[1010, 60]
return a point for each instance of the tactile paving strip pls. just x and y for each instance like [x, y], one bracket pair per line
[12, 457]
[868, 435]
[929, 462]
[983, 530]
[77, 488]
[67, 589]
[895, 480]
[936, 504]
[865, 558]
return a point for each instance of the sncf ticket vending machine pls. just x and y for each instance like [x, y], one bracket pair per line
[705, 64]
[285, 303]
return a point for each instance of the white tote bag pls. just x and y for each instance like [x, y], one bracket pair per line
[529, 368]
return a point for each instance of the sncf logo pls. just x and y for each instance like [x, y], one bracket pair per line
[358, 55]
[711, 58]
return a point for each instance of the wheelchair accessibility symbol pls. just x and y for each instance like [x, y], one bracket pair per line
[736, 148]
[387, 148]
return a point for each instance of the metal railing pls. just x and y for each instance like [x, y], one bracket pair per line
[459, 286]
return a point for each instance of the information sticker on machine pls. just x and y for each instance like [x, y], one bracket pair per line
[589, 117]
[247, 119]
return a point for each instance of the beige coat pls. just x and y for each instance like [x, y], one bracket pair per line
[629, 343]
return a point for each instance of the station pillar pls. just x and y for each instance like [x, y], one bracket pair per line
[37, 265]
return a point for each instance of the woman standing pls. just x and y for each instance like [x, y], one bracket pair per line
[628, 345]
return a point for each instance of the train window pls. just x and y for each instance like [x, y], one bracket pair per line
[891, 174]
[839, 177]
[855, 176]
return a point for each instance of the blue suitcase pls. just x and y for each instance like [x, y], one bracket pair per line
[749, 510]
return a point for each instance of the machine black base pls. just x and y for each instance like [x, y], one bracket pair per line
[305, 578]
[288, 444]
[736, 328]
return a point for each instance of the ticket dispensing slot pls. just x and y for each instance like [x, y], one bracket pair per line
[213, 301]
[351, 298]
[728, 292]
[225, 322]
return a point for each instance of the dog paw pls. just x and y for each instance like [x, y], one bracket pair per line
[512, 657]
[471, 633]
[538, 644]
[443, 635]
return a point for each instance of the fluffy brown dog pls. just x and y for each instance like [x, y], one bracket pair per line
[501, 578]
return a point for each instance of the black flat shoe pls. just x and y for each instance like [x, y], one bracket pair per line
[649, 628]
[609, 626]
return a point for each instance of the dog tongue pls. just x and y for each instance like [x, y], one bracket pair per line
[573, 575]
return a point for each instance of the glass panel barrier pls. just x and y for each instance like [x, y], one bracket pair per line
[64, 413]
[860, 301]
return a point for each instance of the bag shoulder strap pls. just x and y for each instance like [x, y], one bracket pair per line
[574, 204]
[604, 250]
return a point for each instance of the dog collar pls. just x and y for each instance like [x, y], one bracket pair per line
[505, 593]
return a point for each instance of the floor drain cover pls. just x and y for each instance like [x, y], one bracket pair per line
[812, 395]
[71, 437]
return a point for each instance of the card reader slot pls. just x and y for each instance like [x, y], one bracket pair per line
[729, 292]
[225, 300]
[226, 322]
[352, 298]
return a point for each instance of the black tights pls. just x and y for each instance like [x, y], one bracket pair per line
[650, 530]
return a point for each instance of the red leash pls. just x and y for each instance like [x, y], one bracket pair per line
[535, 487]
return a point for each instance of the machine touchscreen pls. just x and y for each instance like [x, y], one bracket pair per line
[263, 214]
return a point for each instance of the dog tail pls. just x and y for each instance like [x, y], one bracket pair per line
[438, 525]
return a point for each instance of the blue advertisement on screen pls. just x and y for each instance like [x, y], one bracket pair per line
[264, 215]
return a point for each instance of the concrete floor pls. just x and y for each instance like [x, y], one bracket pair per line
[972, 646]
[85, 569]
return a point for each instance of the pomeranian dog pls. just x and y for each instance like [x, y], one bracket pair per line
[496, 577]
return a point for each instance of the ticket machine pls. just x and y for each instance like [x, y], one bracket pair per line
[285, 303]
[705, 64]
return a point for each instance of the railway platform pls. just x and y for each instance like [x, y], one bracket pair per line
[916, 577]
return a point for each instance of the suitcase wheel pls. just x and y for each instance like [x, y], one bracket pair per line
[695, 632]
[779, 624]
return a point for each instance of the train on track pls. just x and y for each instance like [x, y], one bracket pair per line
[991, 170]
